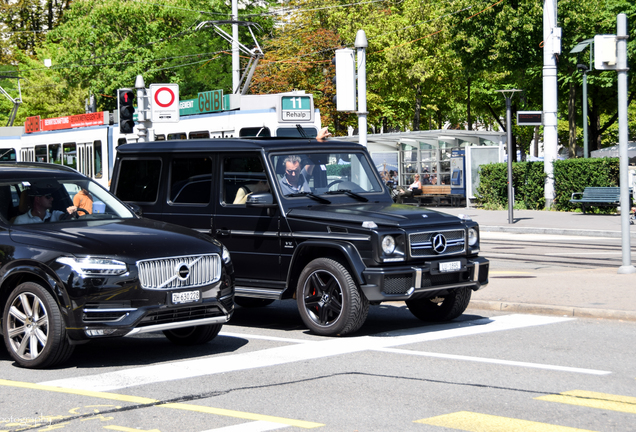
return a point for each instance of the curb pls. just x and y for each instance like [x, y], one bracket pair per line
[554, 231]
[553, 310]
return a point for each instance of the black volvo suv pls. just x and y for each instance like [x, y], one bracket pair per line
[309, 220]
[73, 272]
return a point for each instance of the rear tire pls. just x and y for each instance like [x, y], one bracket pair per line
[329, 301]
[248, 302]
[441, 308]
[193, 335]
[33, 327]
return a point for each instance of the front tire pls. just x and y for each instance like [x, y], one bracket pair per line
[34, 331]
[329, 301]
[439, 309]
[195, 335]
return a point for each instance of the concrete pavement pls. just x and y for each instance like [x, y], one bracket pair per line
[597, 293]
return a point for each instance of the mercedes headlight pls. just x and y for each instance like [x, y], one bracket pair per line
[473, 236]
[388, 245]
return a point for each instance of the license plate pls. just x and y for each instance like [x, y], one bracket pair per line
[185, 297]
[450, 266]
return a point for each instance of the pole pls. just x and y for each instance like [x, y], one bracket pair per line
[621, 68]
[585, 149]
[236, 64]
[361, 44]
[509, 139]
[551, 47]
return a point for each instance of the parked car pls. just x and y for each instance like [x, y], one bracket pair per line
[334, 241]
[69, 274]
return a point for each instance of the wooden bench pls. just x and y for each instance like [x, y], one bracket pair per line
[434, 194]
[599, 197]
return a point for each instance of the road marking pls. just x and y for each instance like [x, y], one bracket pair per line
[582, 253]
[127, 429]
[475, 422]
[507, 272]
[257, 426]
[147, 401]
[295, 353]
[590, 399]
[263, 337]
[497, 361]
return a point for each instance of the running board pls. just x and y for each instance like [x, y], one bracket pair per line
[260, 293]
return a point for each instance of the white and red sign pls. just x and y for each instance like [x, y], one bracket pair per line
[36, 124]
[164, 103]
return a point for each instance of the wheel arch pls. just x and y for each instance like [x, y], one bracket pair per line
[343, 252]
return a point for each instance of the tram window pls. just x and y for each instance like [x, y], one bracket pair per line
[255, 132]
[139, 180]
[55, 154]
[160, 137]
[97, 155]
[294, 133]
[70, 155]
[178, 135]
[7, 155]
[199, 135]
[191, 180]
[40, 153]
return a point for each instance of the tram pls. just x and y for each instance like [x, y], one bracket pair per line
[88, 142]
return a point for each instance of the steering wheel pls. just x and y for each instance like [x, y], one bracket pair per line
[335, 182]
[75, 214]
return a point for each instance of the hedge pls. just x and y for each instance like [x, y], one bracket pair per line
[572, 175]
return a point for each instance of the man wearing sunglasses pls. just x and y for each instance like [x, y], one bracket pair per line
[40, 211]
[295, 178]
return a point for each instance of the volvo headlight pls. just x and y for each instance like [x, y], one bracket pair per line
[225, 255]
[92, 266]
[388, 245]
[473, 236]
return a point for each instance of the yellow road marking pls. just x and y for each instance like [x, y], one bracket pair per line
[143, 400]
[127, 429]
[590, 399]
[475, 422]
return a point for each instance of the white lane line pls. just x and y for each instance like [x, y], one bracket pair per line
[496, 361]
[262, 337]
[131, 377]
[257, 426]
[582, 253]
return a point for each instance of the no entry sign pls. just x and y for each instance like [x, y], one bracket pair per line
[164, 103]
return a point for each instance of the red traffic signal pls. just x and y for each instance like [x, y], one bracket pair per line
[125, 98]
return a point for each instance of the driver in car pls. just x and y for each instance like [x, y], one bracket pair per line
[41, 204]
[295, 178]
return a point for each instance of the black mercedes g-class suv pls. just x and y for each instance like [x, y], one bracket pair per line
[309, 220]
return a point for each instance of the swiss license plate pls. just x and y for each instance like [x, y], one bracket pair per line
[185, 297]
[450, 266]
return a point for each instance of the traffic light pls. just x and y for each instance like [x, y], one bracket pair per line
[345, 80]
[126, 110]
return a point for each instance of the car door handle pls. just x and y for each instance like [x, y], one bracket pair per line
[223, 232]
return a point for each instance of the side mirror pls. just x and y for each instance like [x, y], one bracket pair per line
[262, 199]
[135, 209]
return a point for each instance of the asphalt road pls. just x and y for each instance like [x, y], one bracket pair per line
[485, 372]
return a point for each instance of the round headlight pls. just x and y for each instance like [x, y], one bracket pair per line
[388, 245]
[472, 236]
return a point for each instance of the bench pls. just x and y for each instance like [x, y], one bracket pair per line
[599, 197]
[436, 194]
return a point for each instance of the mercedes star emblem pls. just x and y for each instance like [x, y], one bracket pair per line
[439, 243]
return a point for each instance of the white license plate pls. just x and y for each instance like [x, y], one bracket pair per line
[185, 297]
[450, 266]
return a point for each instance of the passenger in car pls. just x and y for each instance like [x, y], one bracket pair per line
[41, 204]
[83, 200]
[245, 191]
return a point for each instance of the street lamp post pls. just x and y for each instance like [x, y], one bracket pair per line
[508, 95]
[584, 68]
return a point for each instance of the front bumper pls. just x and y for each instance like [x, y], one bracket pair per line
[407, 282]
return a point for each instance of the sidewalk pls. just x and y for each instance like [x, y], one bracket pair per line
[598, 293]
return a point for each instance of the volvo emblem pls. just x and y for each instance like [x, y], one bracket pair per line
[439, 243]
[183, 271]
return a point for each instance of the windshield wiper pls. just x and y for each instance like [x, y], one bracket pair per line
[310, 195]
[348, 192]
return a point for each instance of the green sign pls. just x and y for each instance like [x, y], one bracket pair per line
[210, 101]
[295, 108]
